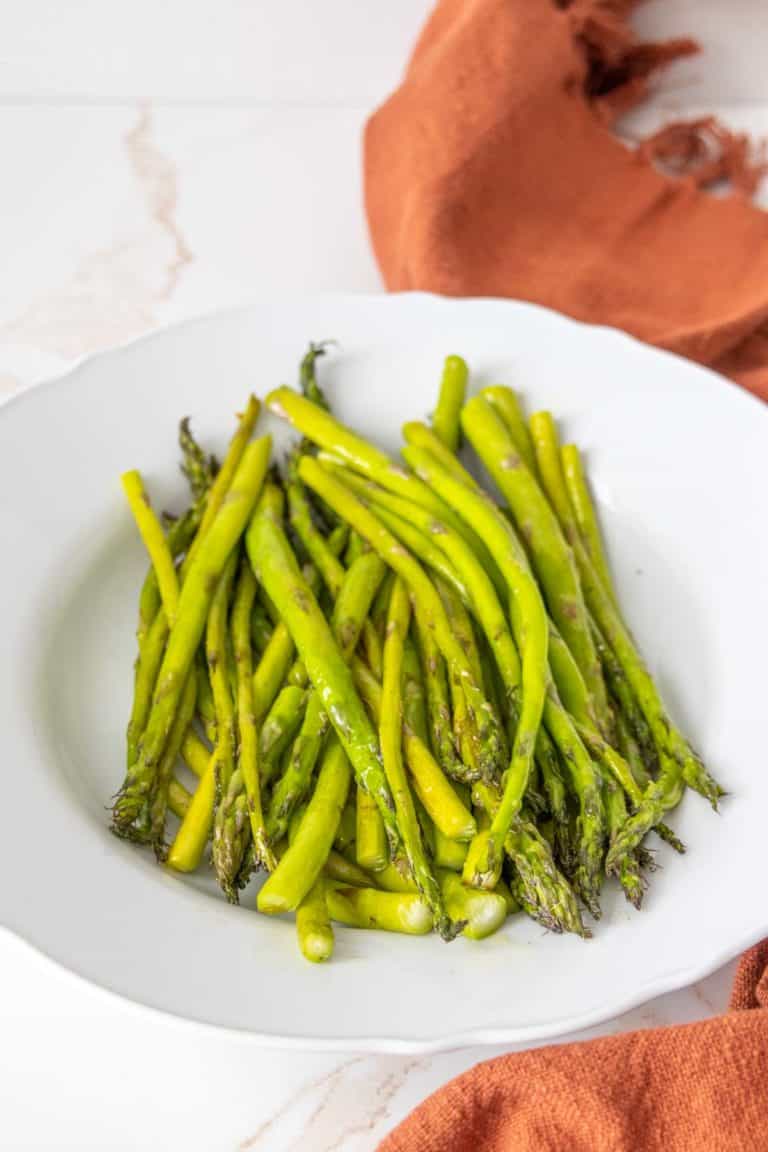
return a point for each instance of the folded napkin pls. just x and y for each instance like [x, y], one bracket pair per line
[492, 171]
[698, 1088]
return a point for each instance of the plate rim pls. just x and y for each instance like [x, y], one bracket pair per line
[665, 983]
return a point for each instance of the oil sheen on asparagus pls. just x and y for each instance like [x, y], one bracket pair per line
[403, 701]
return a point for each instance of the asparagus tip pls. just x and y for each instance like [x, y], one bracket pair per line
[632, 882]
[449, 929]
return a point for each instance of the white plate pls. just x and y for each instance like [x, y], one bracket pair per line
[678, 459]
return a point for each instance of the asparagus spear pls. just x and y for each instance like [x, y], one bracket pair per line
[416, 541]
[261, 628]
[180, 534]
[390, 911]
[539, 526]
[458, 618]
[179, 798]
[188, 846]
[152, 632]
[419, 435]
[159, 803]
[302, 862]
[441, 731]
[308, 374]
[481, 913]
[371, 849]
[340, 868]
[145, 676]
[585, 514]
[608, 620]
[276, 568]
[231, 815]
[354, 596]
[622, 692]
[329, 566]
[508, 407]
[313, 925]
[275, 664]
[488, 609]
[453, 387]
[390, 736]
[205, 706]
[628, 867]
[414, 695]
[279, 728]
[327, 433]
[346, 832]
[474, 504]
[130, 813]
[230, 469]
[195, 753]
[485, 724]
[434, 791]
[154, 541]
[198, 468]
[541, 890]
[248, 756]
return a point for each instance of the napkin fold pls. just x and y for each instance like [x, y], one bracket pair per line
[492, 171]
[696, 1088]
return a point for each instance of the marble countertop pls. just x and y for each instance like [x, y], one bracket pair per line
[161, 161]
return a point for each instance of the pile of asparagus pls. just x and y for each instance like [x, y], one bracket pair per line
[412, 704]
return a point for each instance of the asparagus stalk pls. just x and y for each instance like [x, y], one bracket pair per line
[159, 803]
[474, 504]
[354, 596]
[433, 790]
[198, 468]
[585, 514]
[277, 569]
[130, 813]
[453, 387]
[179, 798]
[155, 542]
[441, 729]
[371, 849]
[507, 406]
[608, 620]
[188, 846]
[280, 726]
[390, 911]
[229, 824]
[302, 863]
[421, 589]
[539, 526]
[230, 470]
[390, 736]
[313, 925]
[327, 433]
[481, 913]
[248, 756]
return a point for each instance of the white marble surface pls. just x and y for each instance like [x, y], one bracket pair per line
[159, 161]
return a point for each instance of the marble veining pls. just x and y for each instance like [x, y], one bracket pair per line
[344, 1106]
[115, 292]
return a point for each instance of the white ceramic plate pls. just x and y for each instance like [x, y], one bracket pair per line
[679, 463]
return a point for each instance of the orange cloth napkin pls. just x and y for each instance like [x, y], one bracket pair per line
[698, 1088]
[492, 171]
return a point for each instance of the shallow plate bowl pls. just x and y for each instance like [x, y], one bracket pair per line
[680, 469]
